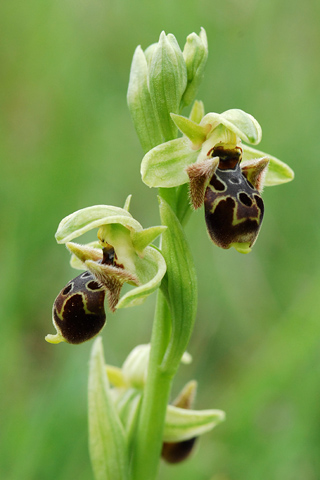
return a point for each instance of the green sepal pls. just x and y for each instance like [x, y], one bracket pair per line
[195, 132]
[241, 123]
[278, 172]
[195, 53]
[150, 270]
[183, 424]
[164, 165]
[144, 237]
[197, 111]
[107, 439]
[179, 287]
[88, 218]
[135, 367]
[128, 408]
[167, 82]
[140, 104]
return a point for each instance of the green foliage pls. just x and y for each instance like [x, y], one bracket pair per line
[107, 442]
[179, 287]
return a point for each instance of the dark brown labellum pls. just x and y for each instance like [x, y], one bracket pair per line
[78, 311]
[233, 207]
[177, 452]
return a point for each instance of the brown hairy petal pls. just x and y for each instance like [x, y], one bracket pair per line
[112, 278]
[255, 171]
[200, 175]
[186, 397]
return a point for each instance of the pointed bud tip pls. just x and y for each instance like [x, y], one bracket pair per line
[162, 37]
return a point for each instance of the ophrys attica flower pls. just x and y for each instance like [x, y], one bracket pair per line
[122, 254]
[225, 175]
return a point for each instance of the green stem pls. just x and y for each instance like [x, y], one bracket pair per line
[148, 441]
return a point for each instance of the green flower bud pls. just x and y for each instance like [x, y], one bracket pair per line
[139, 102]
[195, 53]
[135, 367]
[167, 82]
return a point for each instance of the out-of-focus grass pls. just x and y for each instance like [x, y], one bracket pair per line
[67, 142]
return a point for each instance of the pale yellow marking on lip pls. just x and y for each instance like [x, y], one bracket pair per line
[235, 220]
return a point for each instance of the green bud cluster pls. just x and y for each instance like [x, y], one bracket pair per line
[164, 79]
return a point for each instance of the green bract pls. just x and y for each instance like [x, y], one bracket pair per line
[179, 287]
[164, 165]
[132, 259]
[107, 439]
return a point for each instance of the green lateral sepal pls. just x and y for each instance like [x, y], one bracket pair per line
[164, 165]
[278, 172]
[183, 424]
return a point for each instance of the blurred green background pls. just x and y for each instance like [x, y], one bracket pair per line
[67, 142]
